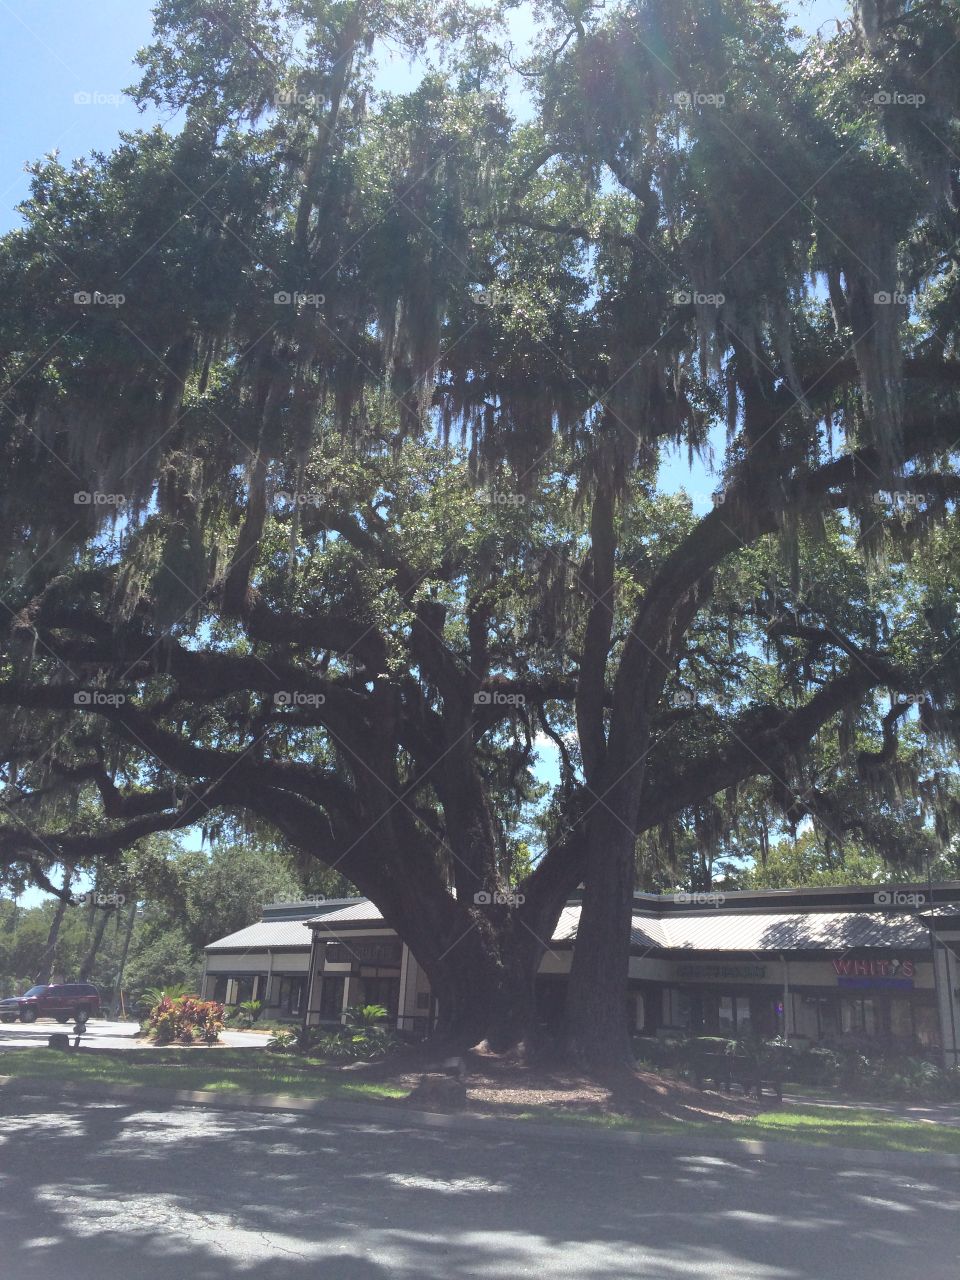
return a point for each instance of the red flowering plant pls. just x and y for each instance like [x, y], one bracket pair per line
[185, 1020]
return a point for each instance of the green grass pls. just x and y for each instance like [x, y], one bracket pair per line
[849, 1127]
[821, 1126]
[256, 1071]
[219, 1070]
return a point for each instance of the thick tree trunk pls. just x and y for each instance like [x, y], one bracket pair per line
[486, 985]
[596, 1030]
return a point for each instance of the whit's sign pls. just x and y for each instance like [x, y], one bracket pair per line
[895, 973]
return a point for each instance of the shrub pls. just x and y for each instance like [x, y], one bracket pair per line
[363, 1039]
[185, 1020]
[246, 1014]
[283, 1040]
[153, 995]
[365, 1015]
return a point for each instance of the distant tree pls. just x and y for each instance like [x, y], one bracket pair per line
[225, 893]
[809, 860]
[164, 958]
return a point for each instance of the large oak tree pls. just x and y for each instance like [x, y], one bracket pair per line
[384, 383]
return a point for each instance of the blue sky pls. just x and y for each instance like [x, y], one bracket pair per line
[63, 67]
[52, 50]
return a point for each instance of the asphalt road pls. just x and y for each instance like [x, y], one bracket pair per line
[118, 1192]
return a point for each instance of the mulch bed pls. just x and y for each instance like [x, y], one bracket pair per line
[505, 1082]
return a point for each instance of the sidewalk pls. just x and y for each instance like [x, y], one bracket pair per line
[398, 1116]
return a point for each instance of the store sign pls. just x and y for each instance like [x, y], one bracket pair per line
[721, 972]
[893, 974]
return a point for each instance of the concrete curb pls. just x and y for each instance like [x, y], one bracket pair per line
[397, 1115]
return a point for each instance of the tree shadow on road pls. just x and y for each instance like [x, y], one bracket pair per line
[120, 1191]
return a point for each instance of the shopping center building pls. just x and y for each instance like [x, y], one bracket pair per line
[879, 965]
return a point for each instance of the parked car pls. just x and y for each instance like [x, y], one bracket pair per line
[60, 1000]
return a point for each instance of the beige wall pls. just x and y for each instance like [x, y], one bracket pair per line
[293, 962]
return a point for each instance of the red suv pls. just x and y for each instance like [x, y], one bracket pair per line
[60, 1000]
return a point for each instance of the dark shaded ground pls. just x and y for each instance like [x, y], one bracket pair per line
[498, 1081]
[113, 1191]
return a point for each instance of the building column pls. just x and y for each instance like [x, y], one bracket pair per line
[402, 1002]
[351, 992]
[948, 1003]
[311, 1001]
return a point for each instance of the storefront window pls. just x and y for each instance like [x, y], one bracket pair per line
[290, 995]
[727, 1015]
[383, 991]
[828, 1016]
[331, 997]
[858, 1017]
[927, 1026]
[683, 1008]
[901, 1020]
[244, 989]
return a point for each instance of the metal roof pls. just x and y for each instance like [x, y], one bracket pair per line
[268, 933]
[780, 931]
[362, 910]
[647, 931]
[305, 908]
[714, 930]
[795, 931]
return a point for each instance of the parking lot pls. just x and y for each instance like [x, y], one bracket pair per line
[104, 1035]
